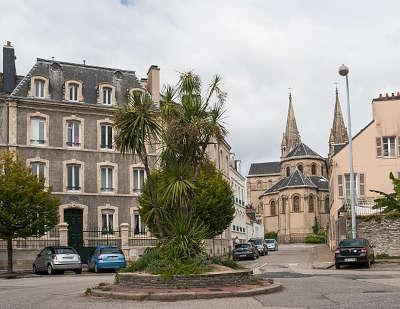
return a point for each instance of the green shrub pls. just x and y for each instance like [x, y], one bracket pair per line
[271, 235]
[231, 264]
[316, 238]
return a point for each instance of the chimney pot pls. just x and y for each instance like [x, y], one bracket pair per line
[84, 62]
[380, 95]
[8, 44]
[392, 94]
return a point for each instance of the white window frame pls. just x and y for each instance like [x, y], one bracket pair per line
[30, 117]
[101, 95]
[81, 175]
[39, 85]
[78, 92]
[391, 146]
[68, 119]
[361, 184]
[46, 167]
[114, 166]
[140, 180]
[32, 89]
[105, 122]
[107, 209]
[340, 186]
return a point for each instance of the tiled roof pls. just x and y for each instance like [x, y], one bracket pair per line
[90, 76]
[265, 168]
[298, 179]
[301, 150]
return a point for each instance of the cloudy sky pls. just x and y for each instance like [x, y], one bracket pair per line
[261, 48]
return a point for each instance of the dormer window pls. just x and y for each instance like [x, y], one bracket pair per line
[73, 92]
[107, 95]
[39, 88]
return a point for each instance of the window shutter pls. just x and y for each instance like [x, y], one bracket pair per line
[378, 147]
[362, 184]
[340, 185]
[109, 137]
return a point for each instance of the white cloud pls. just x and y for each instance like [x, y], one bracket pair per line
[260, 47]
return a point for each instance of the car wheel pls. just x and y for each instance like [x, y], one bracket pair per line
[34, 269]
[78, 271]
[337, 266]
[50, 270]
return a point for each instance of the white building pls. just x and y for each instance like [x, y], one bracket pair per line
[238, 185]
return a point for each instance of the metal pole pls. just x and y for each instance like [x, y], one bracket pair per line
[352, 193]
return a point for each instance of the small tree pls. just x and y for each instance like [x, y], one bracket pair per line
[389, 202]
[26, 207]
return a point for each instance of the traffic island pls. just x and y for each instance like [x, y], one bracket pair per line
[143, 286]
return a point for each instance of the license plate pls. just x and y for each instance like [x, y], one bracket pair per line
[350, 260]
[112, 257]
[68, 257]
[242, 255]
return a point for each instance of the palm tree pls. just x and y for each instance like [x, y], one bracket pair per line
[137, 125]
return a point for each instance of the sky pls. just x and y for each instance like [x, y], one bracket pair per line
[261, 48]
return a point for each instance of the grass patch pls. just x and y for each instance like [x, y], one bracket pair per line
[385, 256]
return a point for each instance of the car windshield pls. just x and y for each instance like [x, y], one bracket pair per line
[244, 246]
[110, 251]
[270, 241]
[64, 251]
[352, 243]
[257, 241]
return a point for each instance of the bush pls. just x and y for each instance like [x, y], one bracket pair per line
[271, 235]
[316, 238]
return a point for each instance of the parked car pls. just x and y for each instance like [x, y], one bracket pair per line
[106, 257]
[245, 251]
[260, 245]
[272, 244]
[57, 259]
[354, 251]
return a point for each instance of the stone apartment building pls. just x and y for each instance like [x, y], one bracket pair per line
[376, 153]
[59, 118]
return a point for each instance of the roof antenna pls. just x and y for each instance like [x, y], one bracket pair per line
[84, 62]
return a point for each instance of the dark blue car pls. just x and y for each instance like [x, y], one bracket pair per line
[106, 257]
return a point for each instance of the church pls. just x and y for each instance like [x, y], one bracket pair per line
[292, 194]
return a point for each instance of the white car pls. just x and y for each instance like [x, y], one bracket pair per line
[272, 244]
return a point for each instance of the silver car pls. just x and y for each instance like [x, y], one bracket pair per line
[57, 259]
[272, 244]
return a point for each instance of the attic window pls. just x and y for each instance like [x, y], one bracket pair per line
[39, 88]
[107, 95]
[118, 74]
[73, 91]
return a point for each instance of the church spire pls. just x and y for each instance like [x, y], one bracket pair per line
[338, 134]
[291, 137]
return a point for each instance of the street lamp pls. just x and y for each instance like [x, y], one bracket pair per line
[344, 71]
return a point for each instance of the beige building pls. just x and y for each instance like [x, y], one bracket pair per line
[292, 194]
[376, 153]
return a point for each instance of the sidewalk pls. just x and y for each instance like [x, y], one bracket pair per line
[322, 257]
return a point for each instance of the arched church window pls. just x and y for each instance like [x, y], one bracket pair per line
[313, 169]
[326, 204]
[322, 170]
[296, 203]
[287, 171]
[284, 203]
[273, 208]
[311, 203]
[300, 167]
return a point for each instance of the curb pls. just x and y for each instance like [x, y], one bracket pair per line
[186, 295]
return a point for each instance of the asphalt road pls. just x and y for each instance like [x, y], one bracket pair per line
[291, 266]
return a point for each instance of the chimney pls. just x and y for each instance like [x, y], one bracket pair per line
[153, 83]
[9, 73]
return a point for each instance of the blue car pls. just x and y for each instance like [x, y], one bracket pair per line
[106, 257]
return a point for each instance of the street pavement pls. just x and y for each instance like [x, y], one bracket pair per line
[292, 266]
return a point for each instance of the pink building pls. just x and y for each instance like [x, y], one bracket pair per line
[376, 151]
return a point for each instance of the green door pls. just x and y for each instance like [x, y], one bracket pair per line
[74, 218]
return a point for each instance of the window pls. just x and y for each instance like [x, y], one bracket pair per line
[39, 88]
[73, 91]
[362, 184]
[139, 227]
[107, 221]
[106, 136]
[347, 183]
[327, 205]
[73, 177]
[389, 146]
[313, 169]
[287, 171]
[284, 203]
[340, 185]
[73, 133]
[273, 208]
[107, 95]
[106, 173]
[38, 126]
[37, 169]
[378, 147]
[138, 179]
[296, 203]
[300, 167]
[311, 203]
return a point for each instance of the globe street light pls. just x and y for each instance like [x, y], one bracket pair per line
[344, 71]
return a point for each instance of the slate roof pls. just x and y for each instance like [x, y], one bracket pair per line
[338, 147]
[91, 76]
[298, 179]
[302, 150]
[265, 168]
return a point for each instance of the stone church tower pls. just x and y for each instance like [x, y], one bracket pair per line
[291, 137]
[338, 137]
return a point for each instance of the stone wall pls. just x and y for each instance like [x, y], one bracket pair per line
[22, 258]
[383, 232]
[139, 280]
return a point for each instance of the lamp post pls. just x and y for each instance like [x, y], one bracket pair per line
[344, 71]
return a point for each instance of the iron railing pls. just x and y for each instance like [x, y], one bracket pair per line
[51, 238]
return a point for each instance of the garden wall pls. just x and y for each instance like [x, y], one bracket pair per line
[23, 258]
[382, 231]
